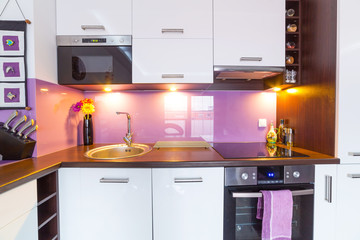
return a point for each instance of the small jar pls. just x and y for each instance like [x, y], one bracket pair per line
[289, 60]
[290, 12]
[291, 27]
[290, 45]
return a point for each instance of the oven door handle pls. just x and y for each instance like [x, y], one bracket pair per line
[259, 194]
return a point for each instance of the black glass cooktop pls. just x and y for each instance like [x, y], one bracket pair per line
[253, 150]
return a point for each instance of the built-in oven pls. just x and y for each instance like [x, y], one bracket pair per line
[92, 60]
[242, 190]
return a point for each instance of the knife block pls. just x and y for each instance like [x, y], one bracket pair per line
[13, 147]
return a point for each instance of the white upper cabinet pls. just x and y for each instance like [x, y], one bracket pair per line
[172, 61]
[348, 82]
[172, 19]
[93, 17]
[249, 33]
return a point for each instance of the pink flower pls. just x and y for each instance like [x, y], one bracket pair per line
[76, 107]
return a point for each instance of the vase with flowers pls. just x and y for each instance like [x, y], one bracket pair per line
[87, 107]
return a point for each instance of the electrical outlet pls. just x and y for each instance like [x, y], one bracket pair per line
[262, 122]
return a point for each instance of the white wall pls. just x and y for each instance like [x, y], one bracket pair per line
[45, 40]
[41, 37]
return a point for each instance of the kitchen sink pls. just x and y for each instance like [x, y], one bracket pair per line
[118, 151]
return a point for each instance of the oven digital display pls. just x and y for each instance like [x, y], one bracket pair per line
[94, 40]
[270, 175]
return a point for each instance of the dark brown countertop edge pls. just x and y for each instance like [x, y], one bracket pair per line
[31, 169]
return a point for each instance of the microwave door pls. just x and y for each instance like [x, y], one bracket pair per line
[94, 65]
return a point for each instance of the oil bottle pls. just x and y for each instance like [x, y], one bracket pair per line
[271, 136]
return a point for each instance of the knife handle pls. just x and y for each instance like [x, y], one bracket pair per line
[26, 125]
[32, 129]
[12, 116]
[20, 121]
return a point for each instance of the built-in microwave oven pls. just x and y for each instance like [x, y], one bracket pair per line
[94, 60]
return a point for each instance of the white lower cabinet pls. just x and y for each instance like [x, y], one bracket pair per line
[99, 203]
[348, 207]
[18, 213]
[325, 201]
[140, 204]
[188, 203]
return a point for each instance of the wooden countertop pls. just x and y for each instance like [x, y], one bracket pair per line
[15, 173]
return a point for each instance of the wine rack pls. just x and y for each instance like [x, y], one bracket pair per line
[293, 43]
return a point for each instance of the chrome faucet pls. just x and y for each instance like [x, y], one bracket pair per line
[128, 137]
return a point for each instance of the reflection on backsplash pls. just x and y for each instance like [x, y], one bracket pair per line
[215, 116]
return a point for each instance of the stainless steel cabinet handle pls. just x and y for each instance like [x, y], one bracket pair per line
[328, 188]
[355, 154]
[354, 175]
[172, 30]
[172, 76]
[251, 59]
[188, 180]
[259, 194]
[99, 27]
[114, 180]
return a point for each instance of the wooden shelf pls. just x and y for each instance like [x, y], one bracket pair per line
[296, 38]
[47, 207]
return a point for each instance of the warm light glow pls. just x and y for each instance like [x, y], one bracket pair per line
[173, 89]
[291, 90]
[276, 89]
[64, 93]
[44, 89]
[107, 89]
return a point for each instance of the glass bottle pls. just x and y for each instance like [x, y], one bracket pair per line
[290, 140]
[281, 131]
[271, 136]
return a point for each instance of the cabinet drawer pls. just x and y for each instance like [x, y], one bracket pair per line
[23, 227]
[172, 19]
[172, 61]
[92, 17]
[17, 201]
[100, 203]
[188, 203]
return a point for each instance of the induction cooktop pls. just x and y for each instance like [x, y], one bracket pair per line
[253, 150]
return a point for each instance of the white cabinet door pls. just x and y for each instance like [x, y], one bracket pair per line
[348, 82]
[348, 207]
[17, 201]
[105, 204]
[24, 227]
[188, 203]
[249, 29]
[325, 202]
[172, 19]
[18, 213]
[172, 61]
[93, 17]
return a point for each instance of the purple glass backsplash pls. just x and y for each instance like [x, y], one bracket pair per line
[226, 116]
[217, 116]
[59, 126]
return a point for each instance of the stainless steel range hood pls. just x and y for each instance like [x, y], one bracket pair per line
[246, 72]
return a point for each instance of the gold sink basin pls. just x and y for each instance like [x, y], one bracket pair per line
[118, 151]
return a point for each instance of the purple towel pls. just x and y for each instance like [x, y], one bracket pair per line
[275, 208]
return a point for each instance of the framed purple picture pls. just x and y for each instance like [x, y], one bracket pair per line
[12, 95]
[13, 74]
